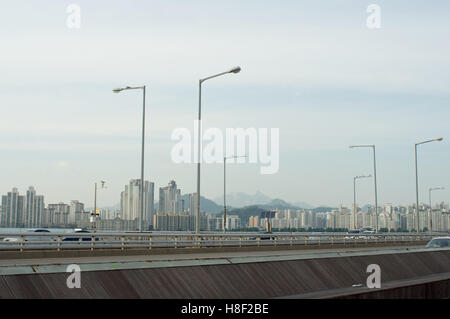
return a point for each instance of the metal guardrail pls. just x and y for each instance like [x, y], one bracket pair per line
[121, 240]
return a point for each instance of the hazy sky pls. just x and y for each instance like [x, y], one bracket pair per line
[310, 68]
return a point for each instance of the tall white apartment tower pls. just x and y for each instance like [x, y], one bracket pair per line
[12, 209]
[170, 199]
[130, 205]
[34, 208]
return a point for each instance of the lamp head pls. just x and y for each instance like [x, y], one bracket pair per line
[235, 69]
[440, 139]
[117, 90]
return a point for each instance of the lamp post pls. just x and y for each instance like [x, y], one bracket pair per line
[225, 187]
[417, 178]
[375, 179]
[197, 207]
[141, 190]
[95, 214]
[354, 196]
[430, 219]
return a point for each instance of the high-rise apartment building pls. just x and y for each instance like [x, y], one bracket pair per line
[13, 209]
[76, 212]
[58, 214]
[34, 208]
[192, 203]
[170, 199]
[130, 201]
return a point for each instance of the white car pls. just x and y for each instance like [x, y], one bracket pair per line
[31, 238]
[39, 238]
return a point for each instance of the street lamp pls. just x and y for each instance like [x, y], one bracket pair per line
[375, 179]
[95, 213]
[197, 208]
[417, 178]
[430, 220]
[141, 193]
[354, 196]
[224, 188]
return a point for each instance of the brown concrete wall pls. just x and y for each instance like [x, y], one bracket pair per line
[247, 280]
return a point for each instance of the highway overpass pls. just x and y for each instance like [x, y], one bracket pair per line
[285, 270]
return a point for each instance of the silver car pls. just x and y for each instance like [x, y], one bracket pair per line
[439, 242]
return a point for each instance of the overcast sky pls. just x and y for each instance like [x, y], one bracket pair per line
[310, 68]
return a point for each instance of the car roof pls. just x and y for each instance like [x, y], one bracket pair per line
[441, 238]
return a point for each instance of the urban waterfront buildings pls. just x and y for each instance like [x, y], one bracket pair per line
[390, 218]
[174, 214]
[130, 205]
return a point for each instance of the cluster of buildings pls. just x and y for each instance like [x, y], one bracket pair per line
[173, 213]
[177, 213]
[397, 218]
[29, 211]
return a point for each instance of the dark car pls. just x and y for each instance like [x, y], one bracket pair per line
[79, 238]
[264, 236]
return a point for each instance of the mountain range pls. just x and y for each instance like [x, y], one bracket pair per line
[245, 205]
[239, 199]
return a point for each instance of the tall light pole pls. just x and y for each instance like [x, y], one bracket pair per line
[430, 219]
[95, 214]
[197, 206]
[354, 196]
[225, 188]
[141, 190]
[417, 178]
[374, 177]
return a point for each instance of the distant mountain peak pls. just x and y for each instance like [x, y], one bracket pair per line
[240, 199]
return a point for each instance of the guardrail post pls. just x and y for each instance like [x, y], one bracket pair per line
[319, 241]
[21, 243]
[59, 243]
[344, 241]
[150, 243]
[276, 241]
[240, 241]
[332, 241]
[292, 239]
[122, 239]
[306, 240]
[258, 240]
[92, 242]
[175, 242]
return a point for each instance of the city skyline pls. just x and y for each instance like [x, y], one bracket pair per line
[386, 87]
[178, 205]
